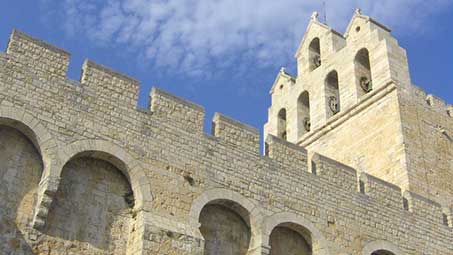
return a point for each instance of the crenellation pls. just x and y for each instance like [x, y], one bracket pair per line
[190, 116]
[383, 192]
[235, 132]
[426, 208]
[43, 58]
[342, 176]
[450, 110]
[432, 102]
[165, 171]
[286, 153]
[113, 87]
[436, 102]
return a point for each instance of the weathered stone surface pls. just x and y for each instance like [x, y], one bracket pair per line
[224, 231]
[71, 152]
[287, 241]
[91, 207]
[20, 172]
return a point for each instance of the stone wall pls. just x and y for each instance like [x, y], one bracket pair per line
[175, 171]
[284, 240]
[428, 136]
[368, 138]
[395, 131]
[20, 172]
[224, 231]
[366, 133]
[91, 210]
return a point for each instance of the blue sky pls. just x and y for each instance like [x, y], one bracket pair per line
[224, 54]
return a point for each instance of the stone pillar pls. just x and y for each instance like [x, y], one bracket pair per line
[46, 193]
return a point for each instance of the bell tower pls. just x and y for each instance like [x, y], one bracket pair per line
[352, 100]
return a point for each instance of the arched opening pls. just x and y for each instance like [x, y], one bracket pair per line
[290, 239]
[281, 124]
[225, 227]
[303, 114]
[21, 168]
[93, 205]
[382, 252]
[314, 54]
[363, 71]
[332, 93]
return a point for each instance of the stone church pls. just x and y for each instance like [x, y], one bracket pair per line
[357, 160]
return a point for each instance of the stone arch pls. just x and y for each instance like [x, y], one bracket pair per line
[117, 189]
[363, 71]
[332, 91]
[314, 54]
[381, 246]
[98, 149]
[246, 209]
[33, 129]
[118, 157]
[303, 113]
[23, 170]
[44, 143]
[282, 124]
[299, 224]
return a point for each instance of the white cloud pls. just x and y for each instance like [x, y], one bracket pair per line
[189, 36]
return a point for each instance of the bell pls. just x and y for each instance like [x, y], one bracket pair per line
[317, 60]
[307, 124]
[333, 104]
[366, 84]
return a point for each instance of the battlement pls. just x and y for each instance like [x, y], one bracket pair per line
[38, 55]
[186, 115]
[168, 140]
[235, 132]
[434, 103]
[112, 87]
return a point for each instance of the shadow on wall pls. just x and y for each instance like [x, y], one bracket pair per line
[20, 172]
[93, 205]
[290, 239]
[224, 230]
[382, 252]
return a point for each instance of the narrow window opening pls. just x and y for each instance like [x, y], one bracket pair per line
[303, 114]
[281, 124]
[363, 71]
[332, 93]
[314, 54]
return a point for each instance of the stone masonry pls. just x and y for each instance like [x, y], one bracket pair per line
[361, 164]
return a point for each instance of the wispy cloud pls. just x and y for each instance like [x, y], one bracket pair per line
[192, 36]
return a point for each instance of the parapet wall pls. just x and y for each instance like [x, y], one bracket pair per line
[180, 162]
